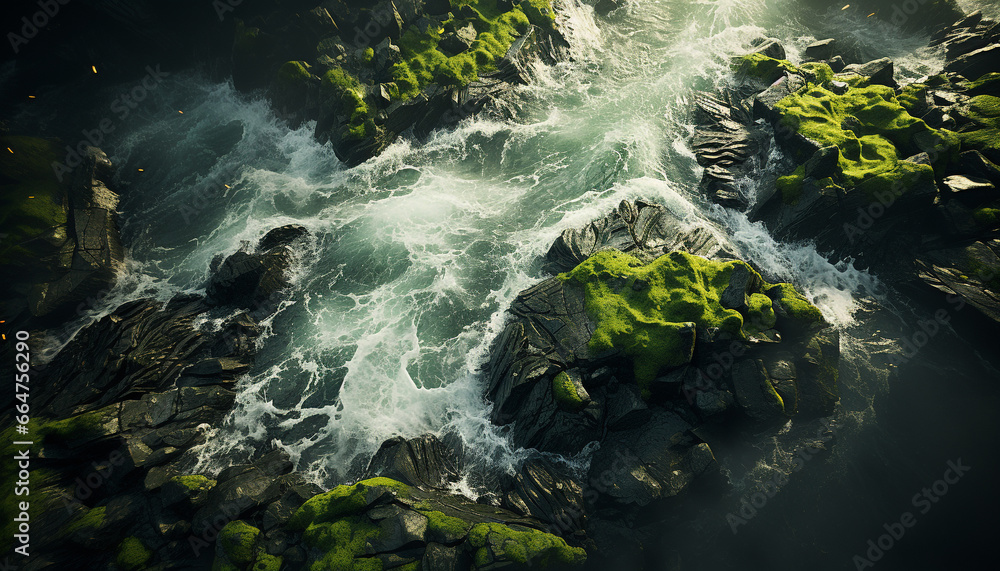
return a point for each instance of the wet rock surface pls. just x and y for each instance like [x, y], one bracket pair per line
[63, 245]
[928, 221]
[647, 442]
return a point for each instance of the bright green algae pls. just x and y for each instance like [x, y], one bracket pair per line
[507, 544]
[984, 111]
[762, 67]
[565, 392]
[132, 555]
[872, 129]
[331, 522]
[423, 63]
[345, 92]
[647, 320]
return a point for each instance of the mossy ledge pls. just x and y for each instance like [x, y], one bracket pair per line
[872, 130]
[374, 71]
[651, 312]
[335, 525]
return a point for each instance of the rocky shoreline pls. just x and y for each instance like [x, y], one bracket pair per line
[652, 340]
[900, 178]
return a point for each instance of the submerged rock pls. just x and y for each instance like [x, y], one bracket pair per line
[254, 280]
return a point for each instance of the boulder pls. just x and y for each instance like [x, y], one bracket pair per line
[820, 50]
[423, 462]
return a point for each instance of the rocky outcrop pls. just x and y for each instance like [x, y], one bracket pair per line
[61, 243]
[254, 279]
[901, 178]
[711, 343]
[367, 73]
[129, 399]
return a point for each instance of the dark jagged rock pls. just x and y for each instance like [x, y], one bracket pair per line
[541, 490]
[818, 51]
[639, 228]
[878, 72]
[724, 147]
[768, 46]
[61, 230]
[255, 280]
[127, 399]
[556, 390]
[971, 272]
[404, 525]
[423, 462]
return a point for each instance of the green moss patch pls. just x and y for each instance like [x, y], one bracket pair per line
[132, 555]
[648, 311]
[988, 84]
[423, 63]
[195, 483]
[760, 66]
[761, 313]
[293, 73]
[984, 111]
[873, 132]
[343, 501]
[565, 393]
[790, 186]
[497, 544]
[795, 305]
[988, 217]
[347, 96]
[238, 543]
[333, 524]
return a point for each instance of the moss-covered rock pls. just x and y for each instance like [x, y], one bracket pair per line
[348, 99]
[762, 67]
[132, 555]
[650, 312]
[498, 544]
[238, 547]
[564, 391]
[343, 501]
[339, 528]
[873, 133]
[423, 63]
[983, 134]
